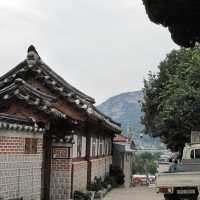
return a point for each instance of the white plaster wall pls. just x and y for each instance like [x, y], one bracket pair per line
[105, 141]
[83, 152]
[74, 154]
[96, 147]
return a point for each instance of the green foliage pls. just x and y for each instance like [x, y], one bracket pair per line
[139, 163]
[115, 179]
[99, 184]
[96, 185]
[171, 103]
[181, 18]
[110, 181]
[81, 196]
[152, 167]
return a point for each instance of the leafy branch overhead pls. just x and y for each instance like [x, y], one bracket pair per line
[171, 103]
[181, 18]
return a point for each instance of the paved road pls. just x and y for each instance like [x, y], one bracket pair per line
[134, 193]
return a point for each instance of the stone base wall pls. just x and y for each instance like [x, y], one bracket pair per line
[60, 179]
[127, 170]
[100, 167]
[20, 171]
[79, 176]
[20, 176]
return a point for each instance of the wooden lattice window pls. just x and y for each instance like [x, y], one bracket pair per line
[106, 146]
[79, 145]
[31, 145]
[110, 147]
[100, 146]
[93, 147]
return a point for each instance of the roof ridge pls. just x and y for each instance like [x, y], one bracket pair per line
[33, 61]
[64, 82]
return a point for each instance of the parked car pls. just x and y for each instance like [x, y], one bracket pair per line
[184, 182]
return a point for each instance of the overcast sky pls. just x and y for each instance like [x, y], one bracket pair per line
[102, 47]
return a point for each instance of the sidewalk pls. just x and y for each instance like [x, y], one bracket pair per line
[134, 193]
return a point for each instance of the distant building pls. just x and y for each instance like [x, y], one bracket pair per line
[53, 140]
[123, 155]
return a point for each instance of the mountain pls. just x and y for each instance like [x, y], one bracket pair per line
[125, 108]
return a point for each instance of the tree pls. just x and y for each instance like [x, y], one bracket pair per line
[171, 103]
[181, 18]
[139, 163]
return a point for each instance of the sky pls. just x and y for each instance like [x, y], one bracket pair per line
[102, 47]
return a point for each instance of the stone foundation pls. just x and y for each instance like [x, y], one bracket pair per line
[79, 176]
[60, 185]
[20, 176]
[60, 177]
[100, 167]
[20, 172]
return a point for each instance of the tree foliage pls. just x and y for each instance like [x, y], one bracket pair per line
[138, 165]
[171, 103]
[180, 16]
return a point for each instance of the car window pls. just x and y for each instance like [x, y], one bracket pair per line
[192, 154]
[197, 153]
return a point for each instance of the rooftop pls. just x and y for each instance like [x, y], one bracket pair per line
[14, 84]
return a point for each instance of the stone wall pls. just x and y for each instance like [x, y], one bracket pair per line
[127, 169]
[20, 173]
[60, 177]
[79, 175]
[100, 167]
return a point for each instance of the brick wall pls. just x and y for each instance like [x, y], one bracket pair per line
[79, 176]
[20, 173]
[100, 167]
[60, 177]
[16, 145]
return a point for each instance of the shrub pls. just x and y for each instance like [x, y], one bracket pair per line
[109, 180]
[96, 185]
[81, 196]
[118, 175]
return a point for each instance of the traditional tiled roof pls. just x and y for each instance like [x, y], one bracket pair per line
[35, 64]
[120, 138]
[13, 84]
[23, 91]
[94, 113]
[123, 143]
[19, 123]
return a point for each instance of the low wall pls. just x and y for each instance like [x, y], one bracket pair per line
[60, 177]
[20, 176]
[100, 167]
[79, 175]
[20, 173]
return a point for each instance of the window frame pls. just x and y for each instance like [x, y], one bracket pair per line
[197, 157]
[79, 145]
[30, 145]
[94, 142]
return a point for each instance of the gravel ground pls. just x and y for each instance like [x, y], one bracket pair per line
[134, 193]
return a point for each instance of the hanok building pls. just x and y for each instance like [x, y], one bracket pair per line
[53, 140]
[124, 155]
